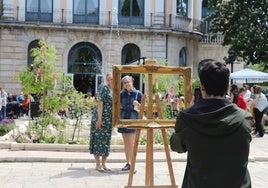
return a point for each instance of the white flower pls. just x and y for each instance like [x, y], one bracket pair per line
[22, 128]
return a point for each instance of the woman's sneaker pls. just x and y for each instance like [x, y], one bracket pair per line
[126, 167]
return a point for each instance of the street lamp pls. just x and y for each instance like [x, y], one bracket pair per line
[231, 59]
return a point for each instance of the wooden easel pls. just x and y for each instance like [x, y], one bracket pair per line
[149, 167]
[150, 123]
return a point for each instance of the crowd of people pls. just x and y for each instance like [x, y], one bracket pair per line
[14, 106]
[174, 102]
[253, 100]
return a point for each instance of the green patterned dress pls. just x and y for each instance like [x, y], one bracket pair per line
[100, 138]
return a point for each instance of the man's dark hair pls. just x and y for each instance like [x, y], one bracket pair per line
[214, 76]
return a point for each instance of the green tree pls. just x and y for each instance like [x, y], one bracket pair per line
[40, 76]
[244, 24]
[78, 107]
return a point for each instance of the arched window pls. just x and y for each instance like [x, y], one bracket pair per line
[182, 7]
[84, 57]
[85, 62]
[183, 58]
[33, 44]
[130, 52]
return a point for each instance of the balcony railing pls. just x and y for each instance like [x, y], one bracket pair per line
[112, 18]
[101, 18]
[42, 16]
[213, 39]
[86, 18]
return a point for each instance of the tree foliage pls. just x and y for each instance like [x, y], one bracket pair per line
[244, 24]
[40, 76]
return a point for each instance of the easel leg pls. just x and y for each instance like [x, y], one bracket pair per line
[149, 175]
[170, 168]
[133, 159]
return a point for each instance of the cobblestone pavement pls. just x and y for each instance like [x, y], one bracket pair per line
[82, 175]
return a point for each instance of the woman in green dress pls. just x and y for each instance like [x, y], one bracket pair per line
[101, 126]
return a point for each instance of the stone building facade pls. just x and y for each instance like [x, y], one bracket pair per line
[91, 36]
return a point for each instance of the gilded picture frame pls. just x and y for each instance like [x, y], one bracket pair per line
[148, 70]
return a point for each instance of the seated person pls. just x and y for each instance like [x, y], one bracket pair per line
[20, 97]
[24, 105]
[12, 105]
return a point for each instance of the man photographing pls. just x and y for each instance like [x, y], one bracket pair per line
[215, 134]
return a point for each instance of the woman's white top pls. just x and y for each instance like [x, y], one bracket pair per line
[262, 102]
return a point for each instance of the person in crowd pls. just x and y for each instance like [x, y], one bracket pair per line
[247, 94]
[259, 108]
[241, 102]
[171, 100]
[31, 97]
[4, 103]
[20, 97]
[215, 133]
[175, 105]
[24, 105]
[101, 126]
[237, 96]
[181, 103]
[130, 99]
[234, 93]
[171, 94]
[12, 106]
